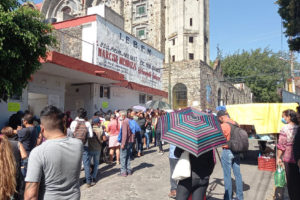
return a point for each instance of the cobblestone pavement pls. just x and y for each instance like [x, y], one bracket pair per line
[150, 180]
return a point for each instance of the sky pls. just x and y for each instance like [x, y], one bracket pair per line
[244, 25]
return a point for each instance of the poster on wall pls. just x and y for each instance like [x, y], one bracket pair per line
[121, 52]
[13, 107]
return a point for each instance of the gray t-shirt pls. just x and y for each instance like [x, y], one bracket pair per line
[56, 165]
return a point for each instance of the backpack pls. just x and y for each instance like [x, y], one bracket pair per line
[238, 139]
[81, 131]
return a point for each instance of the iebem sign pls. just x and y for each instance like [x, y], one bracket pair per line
[122, 52]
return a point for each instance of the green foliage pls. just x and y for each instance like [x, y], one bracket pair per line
[261, 70]
[23, 40]
[289, 10]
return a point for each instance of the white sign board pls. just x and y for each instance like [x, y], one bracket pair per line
[121, 52]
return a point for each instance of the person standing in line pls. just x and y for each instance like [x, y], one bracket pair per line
[173, 161]
[113, 129]
[54, 166]
[158, 134]
[201, 169]
[82, 129]
[19, 154]
[285, 155]
[148, 131]
[95, 146]
[230, 160]
[126, 145]
[154, 123]
[7, 169]
[28, 137]
[141, 122]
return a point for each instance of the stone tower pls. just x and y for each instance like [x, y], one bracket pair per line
[187, 30]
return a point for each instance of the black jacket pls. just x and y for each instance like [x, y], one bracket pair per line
[296, 146]
[201, 166]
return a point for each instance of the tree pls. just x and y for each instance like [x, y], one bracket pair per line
[23, 40]
[289, 10]
[261, 70]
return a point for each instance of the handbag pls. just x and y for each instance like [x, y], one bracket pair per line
[183, 167]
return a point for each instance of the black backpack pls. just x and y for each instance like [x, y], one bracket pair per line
[238, 139]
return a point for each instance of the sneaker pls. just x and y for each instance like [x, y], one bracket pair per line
[129, 173]
[122, 174]
[161, 152]
[93, 182]
[172, 194]
[88, 185]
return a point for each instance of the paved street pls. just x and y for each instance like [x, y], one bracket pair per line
[151, 180]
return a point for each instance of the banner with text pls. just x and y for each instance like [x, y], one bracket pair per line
[121, 52]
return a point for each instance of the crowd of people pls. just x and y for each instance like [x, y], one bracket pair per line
[48, 153]
[42, 158]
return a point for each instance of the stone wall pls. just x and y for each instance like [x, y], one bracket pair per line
[69, 41]
[206, 86]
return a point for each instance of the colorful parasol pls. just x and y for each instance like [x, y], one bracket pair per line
[191, 130]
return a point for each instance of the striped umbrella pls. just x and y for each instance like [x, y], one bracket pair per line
[191, 130]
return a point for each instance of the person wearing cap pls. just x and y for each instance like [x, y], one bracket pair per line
[230, 160]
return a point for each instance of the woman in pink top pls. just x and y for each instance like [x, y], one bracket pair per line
[285, 156]
[114, 146]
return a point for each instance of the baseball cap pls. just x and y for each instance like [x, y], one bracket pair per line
[221, 113]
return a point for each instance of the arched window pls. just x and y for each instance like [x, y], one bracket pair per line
[179, 96]
[66, 9]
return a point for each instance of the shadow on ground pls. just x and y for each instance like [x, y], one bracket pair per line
[216, 181]
[142, 166]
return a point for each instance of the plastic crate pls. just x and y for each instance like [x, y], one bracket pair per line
[267, 164]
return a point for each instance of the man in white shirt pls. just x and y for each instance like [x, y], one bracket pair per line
[81, 116]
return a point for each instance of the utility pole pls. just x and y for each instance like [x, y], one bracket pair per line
[292, 70]
[169, 82]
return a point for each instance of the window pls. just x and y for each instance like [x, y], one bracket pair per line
[141, 33]
[141, 10]
[191, 39]
[104, 92]
[191, 56]
[173, 58]
[142, 98]
[173, 41]
[66, 9]
[191, 21]
[179, 96]
[149, 98]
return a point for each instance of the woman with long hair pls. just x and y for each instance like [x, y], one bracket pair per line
[19, 154]
[285, 155]
[7, 169]
[113, 129]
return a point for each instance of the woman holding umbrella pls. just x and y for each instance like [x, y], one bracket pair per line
[196, 185]
[198, 134]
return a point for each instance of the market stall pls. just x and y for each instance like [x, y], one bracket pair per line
[262, 121]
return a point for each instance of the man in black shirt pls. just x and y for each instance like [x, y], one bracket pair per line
[27, 136]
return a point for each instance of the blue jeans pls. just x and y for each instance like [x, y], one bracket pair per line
[138, 140]
[95, 155]
[24, 164]
[86, 164]
[230, 160]
[125, 158]
[147, 135]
